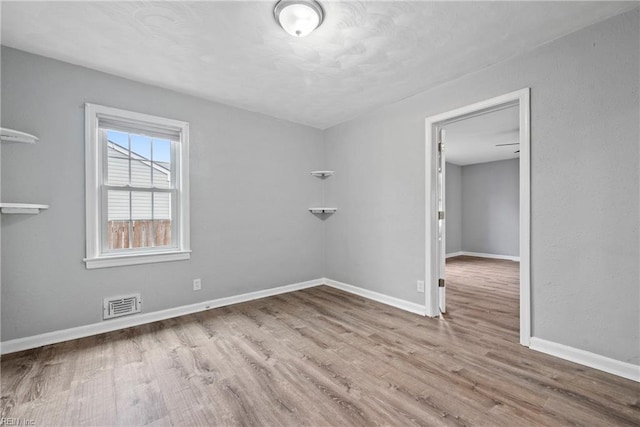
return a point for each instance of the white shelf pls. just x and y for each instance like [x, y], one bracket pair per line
[22, 208]
[323, 210]
[322, 174]
[320, 209]
[10, 135]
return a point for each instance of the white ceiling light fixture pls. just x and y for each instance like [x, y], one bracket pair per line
[298, 17]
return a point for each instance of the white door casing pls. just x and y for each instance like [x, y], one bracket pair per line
[442, 229]
[521, 98]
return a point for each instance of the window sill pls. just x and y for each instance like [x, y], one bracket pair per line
[135, 259]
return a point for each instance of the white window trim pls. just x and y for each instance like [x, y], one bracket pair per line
[95, 257]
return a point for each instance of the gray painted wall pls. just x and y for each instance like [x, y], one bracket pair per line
[453, 208]
[585, 163]
[490, 208]
[250, 190]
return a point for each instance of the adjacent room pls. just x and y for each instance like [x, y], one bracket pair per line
[318, 213]
[481, 215]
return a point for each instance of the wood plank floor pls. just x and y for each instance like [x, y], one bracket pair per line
[320, 357]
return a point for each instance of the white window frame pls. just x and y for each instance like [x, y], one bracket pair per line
[97, 255]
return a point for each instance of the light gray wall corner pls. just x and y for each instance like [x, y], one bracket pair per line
[491, 208]
[584, 158]
[250, 191]
[454, 208]
[376, 237]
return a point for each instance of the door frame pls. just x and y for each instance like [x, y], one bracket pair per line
[521, 98]
[441, 200]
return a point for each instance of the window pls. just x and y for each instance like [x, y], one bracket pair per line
[137, 188]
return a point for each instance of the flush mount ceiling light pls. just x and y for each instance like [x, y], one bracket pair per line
[298, 17]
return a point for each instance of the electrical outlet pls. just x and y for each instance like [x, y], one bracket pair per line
[420, 286]
[197, 284]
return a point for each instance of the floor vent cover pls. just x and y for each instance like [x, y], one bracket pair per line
[121, 306]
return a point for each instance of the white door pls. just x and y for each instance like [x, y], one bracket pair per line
[441, 223]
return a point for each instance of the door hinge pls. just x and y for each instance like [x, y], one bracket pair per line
[441, 283]
[440, 147]
[440, 214]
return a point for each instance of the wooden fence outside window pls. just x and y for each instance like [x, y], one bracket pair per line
[118, 234]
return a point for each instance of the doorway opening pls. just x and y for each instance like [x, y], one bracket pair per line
[510, 157]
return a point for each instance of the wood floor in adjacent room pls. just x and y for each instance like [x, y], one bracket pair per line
[320, 357]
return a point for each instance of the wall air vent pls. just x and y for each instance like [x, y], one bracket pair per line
[121, 306]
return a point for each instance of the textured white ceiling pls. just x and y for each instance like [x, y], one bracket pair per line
[474, 140]
[366, 53]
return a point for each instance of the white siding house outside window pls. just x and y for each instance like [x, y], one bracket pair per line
[137, 190]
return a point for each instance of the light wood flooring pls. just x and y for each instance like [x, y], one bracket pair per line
[320, 357]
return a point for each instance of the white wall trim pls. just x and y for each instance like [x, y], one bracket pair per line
[592, 360]
[136, 259]
[376, 296]
[586, 358]
[454, 254]
[492, 256]
[522, 99]
[34, 341]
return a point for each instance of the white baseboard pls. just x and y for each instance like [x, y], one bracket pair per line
[454, 254]
[586, 358]
[592, 360]
[382, 298]
[34, 341]
[483, 255]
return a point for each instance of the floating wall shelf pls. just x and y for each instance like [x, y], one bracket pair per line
[322, 174]
[10, 135]
[323, 210]
[21, 208]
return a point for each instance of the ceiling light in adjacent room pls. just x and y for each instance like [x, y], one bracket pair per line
[298, 17]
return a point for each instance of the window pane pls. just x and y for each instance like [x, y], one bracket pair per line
[118, 158]
[162, 163]
[162, 219]
[141, 206]
[162, 206]
[118, 205]
[142, 219]
[140, 146]
[118, 219]
[140, 161]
